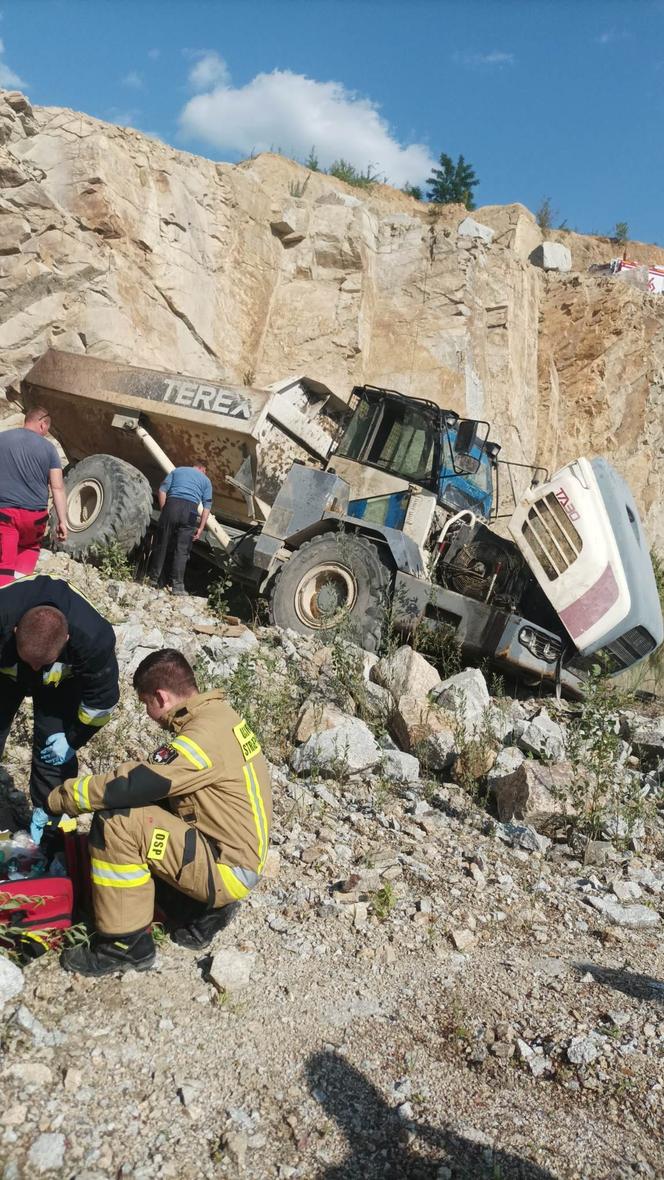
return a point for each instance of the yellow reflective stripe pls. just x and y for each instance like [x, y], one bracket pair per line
[266, 831]
[236, 889]
[254, 809]
[192, 752]
[10, 671]
[97, 880]
[258, 811]
[119, 876]
[56, 673]
[96, 717]
[82, 793]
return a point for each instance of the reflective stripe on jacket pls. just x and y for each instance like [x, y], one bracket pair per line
[211, 773]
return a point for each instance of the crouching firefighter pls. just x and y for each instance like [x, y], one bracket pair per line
[195, 815]
[56, 648]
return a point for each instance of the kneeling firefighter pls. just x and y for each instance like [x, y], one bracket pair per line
[56, 648]
[196, 815]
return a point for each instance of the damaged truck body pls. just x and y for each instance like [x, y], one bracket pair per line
[381, 511]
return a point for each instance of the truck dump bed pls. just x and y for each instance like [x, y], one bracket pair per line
[248, 436]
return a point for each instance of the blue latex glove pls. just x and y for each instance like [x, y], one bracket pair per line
[57, 750]
[38, 823]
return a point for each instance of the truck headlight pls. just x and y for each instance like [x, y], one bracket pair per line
[539, 645]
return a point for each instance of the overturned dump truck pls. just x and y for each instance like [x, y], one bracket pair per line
[383, 510]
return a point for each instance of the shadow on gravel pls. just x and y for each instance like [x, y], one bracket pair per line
[377, 1137]
[640, 987]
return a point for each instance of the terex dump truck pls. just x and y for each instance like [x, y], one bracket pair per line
[363, 512]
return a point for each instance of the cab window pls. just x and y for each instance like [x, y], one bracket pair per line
[395, 436]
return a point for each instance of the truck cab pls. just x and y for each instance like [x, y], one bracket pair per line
[393, 444]
[474, 489]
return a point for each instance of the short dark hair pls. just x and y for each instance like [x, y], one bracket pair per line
[37, 413]
[41, 634]
[167, 669]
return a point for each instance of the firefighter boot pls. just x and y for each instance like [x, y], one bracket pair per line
[110, 953]
[196, 935]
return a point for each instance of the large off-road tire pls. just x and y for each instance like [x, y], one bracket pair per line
[108, 501]
[335, 584]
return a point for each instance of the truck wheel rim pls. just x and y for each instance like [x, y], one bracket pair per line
[325, 595]
[84, 503]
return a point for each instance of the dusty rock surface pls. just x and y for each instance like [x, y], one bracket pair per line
[414, 990]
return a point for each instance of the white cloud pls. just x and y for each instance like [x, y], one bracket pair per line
[610, 36]
[123, 116]
[133, 80]
[296, 113]
[210, 71]
[9, 79]
[478, 60]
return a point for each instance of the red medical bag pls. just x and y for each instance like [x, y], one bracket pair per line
[31, 909]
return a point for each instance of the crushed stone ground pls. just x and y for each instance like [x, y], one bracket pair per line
[363, 1046]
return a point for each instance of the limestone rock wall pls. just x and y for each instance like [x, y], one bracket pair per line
[116, 244]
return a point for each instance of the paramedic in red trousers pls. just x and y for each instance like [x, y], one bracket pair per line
[195, 814]
[183, 489]
[57, 649]
[29, 466]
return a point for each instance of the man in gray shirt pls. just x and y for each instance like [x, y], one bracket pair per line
[29, 467]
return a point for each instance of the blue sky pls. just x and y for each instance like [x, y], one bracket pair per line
[543, 97]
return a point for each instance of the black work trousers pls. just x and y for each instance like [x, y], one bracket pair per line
[55, 709]
[175, 535]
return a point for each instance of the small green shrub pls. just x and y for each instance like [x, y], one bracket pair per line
[545, 214]
[268, 698]
[413, 190]
[297, 188]
[621, 232]
[217, 600]
[344, 170]
[600, 791]
[440, 646]
[111, 561]
[383, 901]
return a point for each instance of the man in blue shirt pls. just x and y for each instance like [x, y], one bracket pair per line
[180, 494]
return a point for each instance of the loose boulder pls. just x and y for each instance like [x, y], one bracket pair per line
[317, 716]
[528, 794]
[544, 738]
[469, 228]
[634, 917]
[406, 674]
[552, 256]
[426, 730]
[399, 767]
[349, 748]
[465, 695]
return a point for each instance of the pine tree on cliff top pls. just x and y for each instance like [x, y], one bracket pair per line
[452, 183]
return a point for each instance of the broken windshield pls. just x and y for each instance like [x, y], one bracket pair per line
[396, 436]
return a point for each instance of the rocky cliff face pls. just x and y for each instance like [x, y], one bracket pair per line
[116, 244]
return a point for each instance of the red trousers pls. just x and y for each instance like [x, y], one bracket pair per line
[21, 533]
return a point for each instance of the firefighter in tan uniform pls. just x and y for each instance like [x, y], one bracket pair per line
[195, 815]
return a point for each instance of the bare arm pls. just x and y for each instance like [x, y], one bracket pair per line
[161, 499]
[56, 484]
[201, 524]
